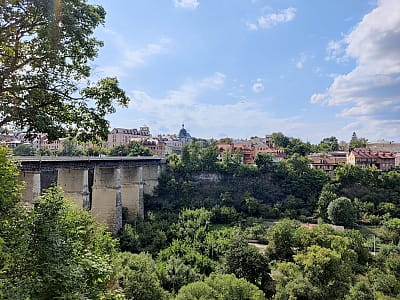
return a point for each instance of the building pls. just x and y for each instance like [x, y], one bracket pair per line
[277, 154]
[123, 136]
[156, 146]
[250, 151]
[324, 162]
[383, 145]
[184, 136]
[367, 158]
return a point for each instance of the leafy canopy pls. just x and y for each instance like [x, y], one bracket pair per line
[45, 49]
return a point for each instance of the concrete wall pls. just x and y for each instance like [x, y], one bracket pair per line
[150, 178]
[75, 184]
[106, 192]
[32, 188]
[102, 190]
[132, 191]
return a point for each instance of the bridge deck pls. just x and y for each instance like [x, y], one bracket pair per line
[35, 163]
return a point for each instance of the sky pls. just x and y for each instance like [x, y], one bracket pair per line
[240, 68]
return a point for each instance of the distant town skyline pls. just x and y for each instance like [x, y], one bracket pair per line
[310, 69]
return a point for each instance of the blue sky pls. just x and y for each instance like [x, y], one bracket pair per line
[239, 68]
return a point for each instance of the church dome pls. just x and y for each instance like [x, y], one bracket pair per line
[183, 134]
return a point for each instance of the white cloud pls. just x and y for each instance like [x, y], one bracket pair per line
[318, 98]
[258, 86]
[134, 58]
[191, 4]
[283, 16]
[335, 50]
[241, 118]
[251, 26]
[273, 19]
[127, 57]
[301, 61]
[370, 92]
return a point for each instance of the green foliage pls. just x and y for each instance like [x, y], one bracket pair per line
[174, 274]
[251, 204]
[317, 272]
[63, 253]
[197, 291]
[24, 150]
[70, 148]
[132, 149]
[224, 214]
[329, 144]
[10, 188]
[129, 239]
[247, 262]
[46, 49]
[282, 239]
[135, 149]
[341, 212]
[136, 274]
[193, 225]
[189, 256]
[220, 287]
[361, 291]
[325, 198]
[393, 228]
[356, 142]
[45, 152]
[144, 236]
[264, 162]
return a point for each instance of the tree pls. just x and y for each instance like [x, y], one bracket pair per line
[24, 150]
[175, 273]
[251, 204]
[279, 140]
[197, 291]
[247, 262]
[264, 162]
[220, 287]
[356, 142]
[135, 149]
[45, 50]
[282, 240]
[70, 148]
[208, 158]
[119, 151]
[45, 152]
[325, 198]
[63, 253]
[326, 270]
[137, 276]
[361, 291]
[10, 187]
[341, 212]
[329, 144]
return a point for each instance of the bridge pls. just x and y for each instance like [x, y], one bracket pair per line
[101, 185]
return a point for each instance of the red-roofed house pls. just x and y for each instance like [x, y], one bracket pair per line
[366, 158]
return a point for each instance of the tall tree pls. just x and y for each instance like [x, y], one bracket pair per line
[341, 212]
[279, 140]
[357, 142]
[45, 49]
[24, 150]
[329, 144]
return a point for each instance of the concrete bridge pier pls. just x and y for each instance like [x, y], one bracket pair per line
[150, 178]
[132, 191]
[106, 187]
[32, 185]
[75, 184]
